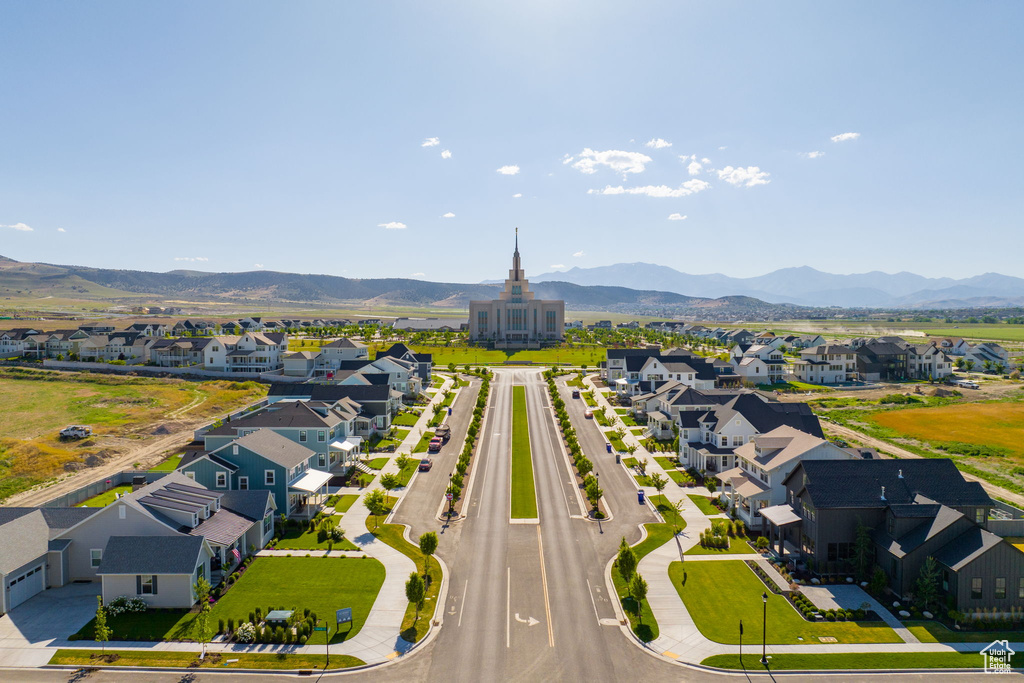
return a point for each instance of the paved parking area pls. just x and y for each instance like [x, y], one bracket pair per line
[52, 615]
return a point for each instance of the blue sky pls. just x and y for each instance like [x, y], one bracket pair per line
[300, 136]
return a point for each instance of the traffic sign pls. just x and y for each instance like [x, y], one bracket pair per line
[448, 496]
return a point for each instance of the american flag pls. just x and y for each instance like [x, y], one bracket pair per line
[237, 555]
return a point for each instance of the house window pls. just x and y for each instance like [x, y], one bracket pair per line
[890, 525]
[243, 483]
[945, 580]
[146, 584]
[268, 477]
[95, 557]
[979, 516]
[976, 588]
[1020, 587]
[1000, 588]
[268, 523]
[302, 436]
[191, 475]
[234, 447]
[222, 479]
[323, 459]
[122, 512]
[321, 435]
[201, 571]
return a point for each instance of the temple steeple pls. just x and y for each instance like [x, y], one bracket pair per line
[516, 269]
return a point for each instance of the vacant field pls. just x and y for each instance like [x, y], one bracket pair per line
[985, 424]
[123, 412]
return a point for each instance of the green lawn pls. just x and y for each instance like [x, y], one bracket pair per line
[423, 443]
[629, 420]
[616, 442]
[737, 546]
[298, 538]
[524, 495]
[703, 504]
[934, 632]
[405, 420]
[244, 660]
[158, 624]
[405, 474]
[168, 465]
[414, 625]
[874, 660]
[645, 627]
[638, 431]
[711, 589]
[475, 355]
[107, 497]
[343, 503]
[377, 463]
[589, 400]
[668, 513]
[669, 465]
[601, 419]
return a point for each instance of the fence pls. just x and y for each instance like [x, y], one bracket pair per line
[80, 495]
[274, 376]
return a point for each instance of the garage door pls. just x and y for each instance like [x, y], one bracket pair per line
[25, 586]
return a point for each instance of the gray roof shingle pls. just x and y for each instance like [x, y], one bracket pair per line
[151, 555]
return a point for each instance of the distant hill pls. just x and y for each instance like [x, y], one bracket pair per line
[806, 286]
[42, 280]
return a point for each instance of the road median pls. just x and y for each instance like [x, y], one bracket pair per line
[523, 488]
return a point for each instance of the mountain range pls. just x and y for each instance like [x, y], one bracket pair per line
[806, 286]
[41, 281]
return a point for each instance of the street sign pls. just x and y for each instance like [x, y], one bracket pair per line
[344, 615]
[448, 496]
[319, 628]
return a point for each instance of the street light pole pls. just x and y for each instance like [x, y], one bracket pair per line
[764, 627]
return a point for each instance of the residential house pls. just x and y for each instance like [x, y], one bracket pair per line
[252, 352]
[954, 346]
[927, 361]
[376, 403]
[179, 353]
[826, 364]
[13, 342]
[988, 356]
[162, 570]
[424, 362]
[877, 361]
[299, 363]
[760, 364]
[148, 329]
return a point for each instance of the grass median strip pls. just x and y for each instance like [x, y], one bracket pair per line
[239, 660]
[524, 494]
[873, 660]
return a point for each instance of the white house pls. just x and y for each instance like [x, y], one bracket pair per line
[250, 352]
[826, 364]
[927, 361]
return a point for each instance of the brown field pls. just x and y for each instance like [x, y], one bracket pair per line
[992, 424]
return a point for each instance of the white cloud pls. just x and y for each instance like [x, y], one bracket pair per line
[418, 275]
[448, 215]
[517, 195]
[20, 227]
[689, 187]
[657, 143]
[446, 154]
[745, 177]
[556, 266]
[694, 168]
[431, 142]
[812, 155]
[705, 160]
[61, 230]
[509, 170]
[843, 137]
[567, 159]
[722, 147]
[393, 225]
[191, 259]
[616, 160]
[579, 254]
[258, 265]
[677, 217]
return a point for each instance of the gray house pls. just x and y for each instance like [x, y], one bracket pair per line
[162, 570]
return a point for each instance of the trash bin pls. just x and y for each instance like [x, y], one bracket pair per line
[608, 447]
[618, 458]
[640, 496]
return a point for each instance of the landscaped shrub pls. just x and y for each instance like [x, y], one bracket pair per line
[231, 626]
[246, 633]
[124, 605]
[220, 626]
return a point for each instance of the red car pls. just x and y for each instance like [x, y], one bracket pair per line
[435, 444]
[426, 464]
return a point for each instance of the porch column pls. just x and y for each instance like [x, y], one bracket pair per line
[782, 541]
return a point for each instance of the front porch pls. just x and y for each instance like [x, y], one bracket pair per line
[307, 493]
[780, 519]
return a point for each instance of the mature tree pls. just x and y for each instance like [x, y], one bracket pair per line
[968, 365]
[638, 591]
[626, 561]
[201, 623]
[428, 544]
[415, 591]
[926, 589]
[101, 630]
[376, 502]
[658, 482]
[389, 482]
[959, 364]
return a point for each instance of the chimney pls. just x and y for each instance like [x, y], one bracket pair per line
[883, 493]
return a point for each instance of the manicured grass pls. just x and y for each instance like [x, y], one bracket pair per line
[423, 443]
[589, 400]
[643, 480]
[737, 546]
[405, 420]
[601, 419]
[711, 590]
[646, 626]
[399, 434]
[575, 382]
[616, 442]
[405, 474]
[472, 355]
[414, 626]
[321, 584]
[987, 424]
[158, 624]
[873, 660]
[934, 632]
[629, 420]
[377, 463]
[638, 431]
[668, 513]
[107, 497]
[524, 495]
[167, 659]
[703, 504]
[345, 502]
[298, 538]
[168, 465]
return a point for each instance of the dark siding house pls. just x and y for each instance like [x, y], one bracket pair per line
[879, 360]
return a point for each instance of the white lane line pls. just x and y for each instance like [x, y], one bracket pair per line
[463, 607]
[508, 608]
[544, 582]
[590, 590]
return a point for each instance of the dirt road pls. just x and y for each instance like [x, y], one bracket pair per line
[871, 442]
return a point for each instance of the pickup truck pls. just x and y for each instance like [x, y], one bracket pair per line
[435, 444]
[443, 432]
[76, 432]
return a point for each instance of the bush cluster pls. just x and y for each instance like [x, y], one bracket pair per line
[468, 450]
[124, 605]
[582, 463]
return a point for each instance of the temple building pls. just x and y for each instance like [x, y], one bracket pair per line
[515, 320]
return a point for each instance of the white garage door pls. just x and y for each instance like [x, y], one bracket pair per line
[25, 586]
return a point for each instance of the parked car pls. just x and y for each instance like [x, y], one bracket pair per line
[589, 414]
[426, 464]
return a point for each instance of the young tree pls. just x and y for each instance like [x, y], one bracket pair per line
[201, 623]
[402, 461]
[926, 589]
[594, 491]
[415, 591]
[428, 544]
[678, 507]
[658, 482]
[389, 482]
[638, 591]
[711, 484]
[626, 561]
[101, 630]
[376, 502]
[968, 365]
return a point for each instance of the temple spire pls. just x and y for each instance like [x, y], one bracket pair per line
[516, 269]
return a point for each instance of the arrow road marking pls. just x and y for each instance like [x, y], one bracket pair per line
[531, 621]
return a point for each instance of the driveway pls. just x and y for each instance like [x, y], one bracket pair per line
[52, 615]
